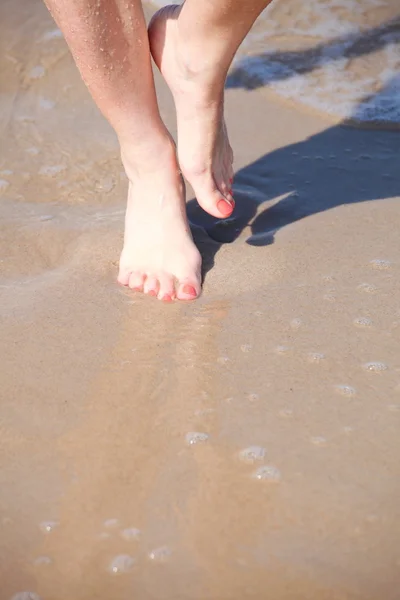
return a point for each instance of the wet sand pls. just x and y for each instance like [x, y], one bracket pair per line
[244, 446]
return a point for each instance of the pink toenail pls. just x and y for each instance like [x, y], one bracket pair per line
[231, 180]
[166, 298]
[152, 293]
[225, 207]
[189, 290]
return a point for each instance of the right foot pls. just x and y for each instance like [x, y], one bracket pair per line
[205, 156]
[159, 257]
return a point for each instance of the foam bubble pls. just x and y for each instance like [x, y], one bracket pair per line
[252, 454]
[25, 596]
[282, 349]
[196, 437]
[4, 184]
[252, 397]
[160, 554]
[42, 561]
[362, 322]
[318, 440]
[345, 390]
[267, 473]
[245, 347]
[130, 534]
[122, 563]
[286, 413]
[380, 264]
[368, 288]
[315, 357]
[296, 323]
[111, 523]
[51, 170]
[48, 526]
[375, 367]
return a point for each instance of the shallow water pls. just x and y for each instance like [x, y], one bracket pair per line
[338, 57]
[244, 446]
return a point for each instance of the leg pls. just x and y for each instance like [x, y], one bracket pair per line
[109, 42]
[193, 46]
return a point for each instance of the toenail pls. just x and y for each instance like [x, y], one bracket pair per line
[189, 290]
[231, 180]
[225, 207]
[152, 293]
[166, 298]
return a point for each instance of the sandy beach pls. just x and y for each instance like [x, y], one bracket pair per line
[245, 446]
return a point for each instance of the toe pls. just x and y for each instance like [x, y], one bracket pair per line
[151, 285]
[188, 290]
[136, 281]
[167, 289]
[123, 277]
[210, 198]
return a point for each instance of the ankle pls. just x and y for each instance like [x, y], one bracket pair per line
[148, 156]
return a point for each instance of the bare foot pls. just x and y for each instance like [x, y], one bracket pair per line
[205, 155]
[159, 256]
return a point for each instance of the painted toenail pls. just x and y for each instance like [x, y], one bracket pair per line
[225, 207]
[189, 290]
[152, 293]
[166, 298]
[231, 180]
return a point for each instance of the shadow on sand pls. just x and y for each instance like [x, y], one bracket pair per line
[341, 165]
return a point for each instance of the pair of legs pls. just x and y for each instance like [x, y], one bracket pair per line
[193, 46]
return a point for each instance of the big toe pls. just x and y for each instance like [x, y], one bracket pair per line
[211, 199]
[188, 290]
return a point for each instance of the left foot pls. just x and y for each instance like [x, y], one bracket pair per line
[159, 257]
[205, 155]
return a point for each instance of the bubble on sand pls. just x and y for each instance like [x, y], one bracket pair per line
[329, 297]
[282, 349]
[345, 390]
[286, 413]
[4, 184]
[315, 357]
[362, 322]
[48, 526]
[394, 408]
[160, 554]
[6, 172]
[368, 288]
[267, 473]
[296, 323]
[375, 367]
[196, 437]
[380, 264]
[222, 360]
[348, 429]
[36, 72]
[26, 596]
[104, 535]
[51, 170]
[46, 104]
[111, 523]
[245, 347]
[252, 397]
[318, 440]
[42, 561]
[130, 534]
[252, 454]
[122, 563]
